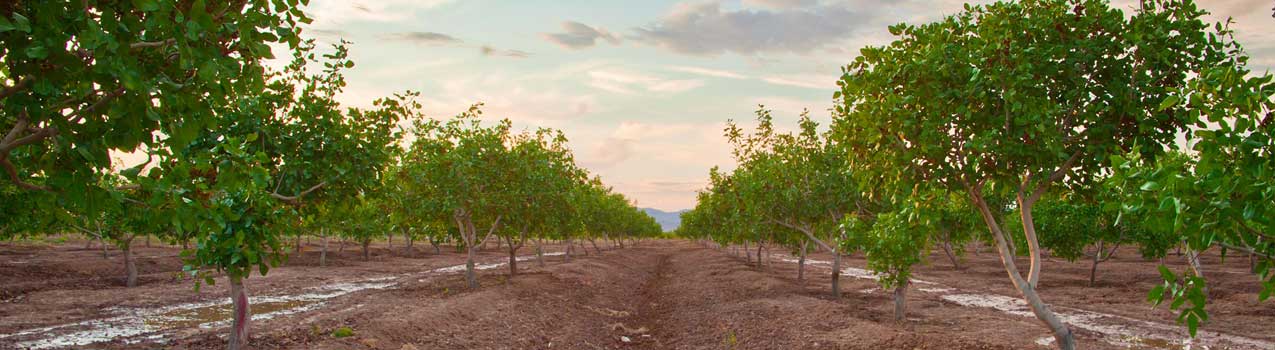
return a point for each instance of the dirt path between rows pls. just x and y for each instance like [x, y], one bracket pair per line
[656, 295]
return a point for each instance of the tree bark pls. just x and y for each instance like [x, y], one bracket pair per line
[566, 253]
[367, 255]
[323, 255]
[297, 247]
[1062, 335]
[900, 301]
[407, 236]
[1097, 257]
[801, 261]
[759, 253]
[130, 266]
[947, 249]
[241, 316]
[540, 252]
[836, 274]
[595, 246]
[748, 254]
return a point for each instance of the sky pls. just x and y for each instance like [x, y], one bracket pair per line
[641, 88]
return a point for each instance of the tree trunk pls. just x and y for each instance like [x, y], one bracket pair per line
[900, 301]
[1097, 257]
[323, 254]
[434, 243]
[367, 255]
[595, 246]
[102, 243]
[389, 241]
[1062, 335]
[130, 266]
[540, 252]
[947, 249]
[407, 237]
[341, 245]
[759, 259]
[566, 253]
[298, 243]
[801, 262]
[185, 243]
[241, 316]
[748, 254]
[148, 241]
[836, 274]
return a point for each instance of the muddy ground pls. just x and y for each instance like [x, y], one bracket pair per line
[658, 295]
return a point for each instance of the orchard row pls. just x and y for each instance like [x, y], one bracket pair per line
[1060, 125]
[238, 157]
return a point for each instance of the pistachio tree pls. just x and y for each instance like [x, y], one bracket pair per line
[1018, 98]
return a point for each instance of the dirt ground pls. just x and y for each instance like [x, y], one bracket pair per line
[658, 295]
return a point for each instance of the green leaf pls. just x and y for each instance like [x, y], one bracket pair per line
[6, 25]
[37, 52]
[146, 5]
[1168, 102]
[21, 22]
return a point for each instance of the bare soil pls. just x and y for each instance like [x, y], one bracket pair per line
[657, 295]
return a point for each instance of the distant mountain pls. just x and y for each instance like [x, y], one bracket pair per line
[668, 220]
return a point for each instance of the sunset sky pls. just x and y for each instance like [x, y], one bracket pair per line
[642, 88]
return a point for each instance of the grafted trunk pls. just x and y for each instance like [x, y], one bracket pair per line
[900, 301]
[130, 266]
[241, 315]
[801, 262]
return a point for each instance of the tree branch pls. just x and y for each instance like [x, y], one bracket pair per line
[298, 196]
[13, 175]
[149, 44]
[10, 90]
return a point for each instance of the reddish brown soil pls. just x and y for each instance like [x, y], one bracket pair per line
[659, 295]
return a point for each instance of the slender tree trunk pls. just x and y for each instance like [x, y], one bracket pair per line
[185, 243]
[1027, 287]
[105, 248]
[947, 249]
[323, 255]
[130, 266]
[900, 301]
[241, 316]
[759, 258]
[566, 254]
[801, 261]
[470, 276]
[836, 274]
[389, 241]
[407, 236]
[540, 252]
[1097, 257]
[434, 243]
[367, 255]
[748, 254]
[341, 245]
[595, 246]
[148, 241]
[298, 243]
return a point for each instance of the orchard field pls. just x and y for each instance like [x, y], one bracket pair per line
[1065, 174]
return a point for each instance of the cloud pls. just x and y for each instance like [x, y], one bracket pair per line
[612, 151]
[810, 81]
[332, 14]
[623, 82]
[327, 32]
[578, 35]
[707, 72]
[424, 38]
[779, 4]
[491, 51]
[705, 29]
[505, 96]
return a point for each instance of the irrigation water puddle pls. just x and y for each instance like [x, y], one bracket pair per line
[1125, 332]
[157, 324]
